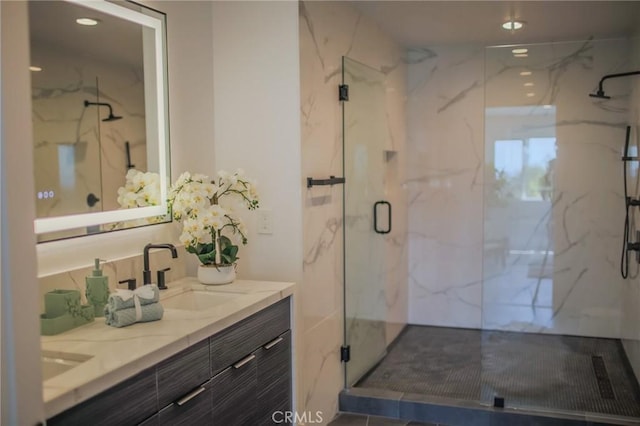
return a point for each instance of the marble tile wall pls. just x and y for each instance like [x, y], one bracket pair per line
[96, 158]
[561, 272]
[328, 31]
[479, 261]
[116, 270]
[444, 178]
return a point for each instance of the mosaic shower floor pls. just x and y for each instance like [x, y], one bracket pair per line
[527, 370]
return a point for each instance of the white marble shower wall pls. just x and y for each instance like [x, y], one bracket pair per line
[328, 31]
[75, 152]
[537, 247]
[444, 176]
[561, 212]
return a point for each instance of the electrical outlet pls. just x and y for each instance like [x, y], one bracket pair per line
[265, 221]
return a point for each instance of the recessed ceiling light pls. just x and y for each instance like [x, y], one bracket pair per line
[521, 55]
[512, 25]
[34, 68]
[528, 84]
[547, 106]
[525, 73]
[530, 95]
[519, 51]
[87, 21]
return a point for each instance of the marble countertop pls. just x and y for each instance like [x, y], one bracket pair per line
[119, 353]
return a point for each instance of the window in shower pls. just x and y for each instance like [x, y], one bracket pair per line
[519, 244]
[524, 168]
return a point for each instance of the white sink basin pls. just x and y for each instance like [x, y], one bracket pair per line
[54, 363]
[198, 300]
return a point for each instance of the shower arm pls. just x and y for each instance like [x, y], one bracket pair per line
[111, 116]
[87, 103]
[600, 93]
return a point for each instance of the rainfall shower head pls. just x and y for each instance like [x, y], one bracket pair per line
[599, 94]
[111, 117]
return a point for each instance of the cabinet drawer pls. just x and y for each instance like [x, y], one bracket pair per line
[241, 339]
[183, 372]
[274, 379]
[128, 403]
[234, 394]
[194, 410]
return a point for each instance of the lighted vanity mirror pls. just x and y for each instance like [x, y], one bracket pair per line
[100, 116]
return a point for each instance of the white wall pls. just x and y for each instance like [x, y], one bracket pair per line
[257, 126]
[21, 376]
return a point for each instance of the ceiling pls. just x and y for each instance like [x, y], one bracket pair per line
[434, 23]
[52, 25]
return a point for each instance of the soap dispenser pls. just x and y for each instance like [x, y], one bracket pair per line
[97, 291]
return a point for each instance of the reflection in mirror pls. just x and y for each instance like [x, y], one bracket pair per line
[99, 116]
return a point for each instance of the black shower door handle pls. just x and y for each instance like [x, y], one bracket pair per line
[375, 217]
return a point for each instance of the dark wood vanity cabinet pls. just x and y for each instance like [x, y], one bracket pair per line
[234, 394]
[274, 380]
[257, 386]
[129, 402]
[194, 409]
[184, 387]
[239, 376]
[243, 365]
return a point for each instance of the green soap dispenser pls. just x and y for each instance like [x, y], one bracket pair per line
[97, 291]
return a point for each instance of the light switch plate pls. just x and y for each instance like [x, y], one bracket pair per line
[265, 221]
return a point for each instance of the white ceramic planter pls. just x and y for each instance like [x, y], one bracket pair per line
[212, 275]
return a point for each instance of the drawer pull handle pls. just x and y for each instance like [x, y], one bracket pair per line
[190, 396]
[273, 343]
[244, 361]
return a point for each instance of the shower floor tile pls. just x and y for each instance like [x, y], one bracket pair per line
[528, 370]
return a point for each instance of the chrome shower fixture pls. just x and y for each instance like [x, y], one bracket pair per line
[600, 93]
[111, 117]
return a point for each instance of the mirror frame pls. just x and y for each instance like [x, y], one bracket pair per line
[62, 223]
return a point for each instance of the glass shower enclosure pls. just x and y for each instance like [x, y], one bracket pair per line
[367, 217]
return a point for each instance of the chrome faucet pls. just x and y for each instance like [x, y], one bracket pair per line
[146, 274]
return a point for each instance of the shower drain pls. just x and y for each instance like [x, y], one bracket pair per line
[604, 384]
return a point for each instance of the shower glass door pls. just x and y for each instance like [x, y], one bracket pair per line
[364, 132]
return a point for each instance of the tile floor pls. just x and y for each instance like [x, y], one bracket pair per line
[580, 374]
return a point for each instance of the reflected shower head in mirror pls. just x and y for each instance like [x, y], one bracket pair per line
[111, 117]
[599, 94]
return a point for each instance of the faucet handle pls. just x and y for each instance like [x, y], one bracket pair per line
[131, 283]
[161, 279]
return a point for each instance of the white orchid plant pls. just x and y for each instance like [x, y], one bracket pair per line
[141, 189]
[208, 209]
